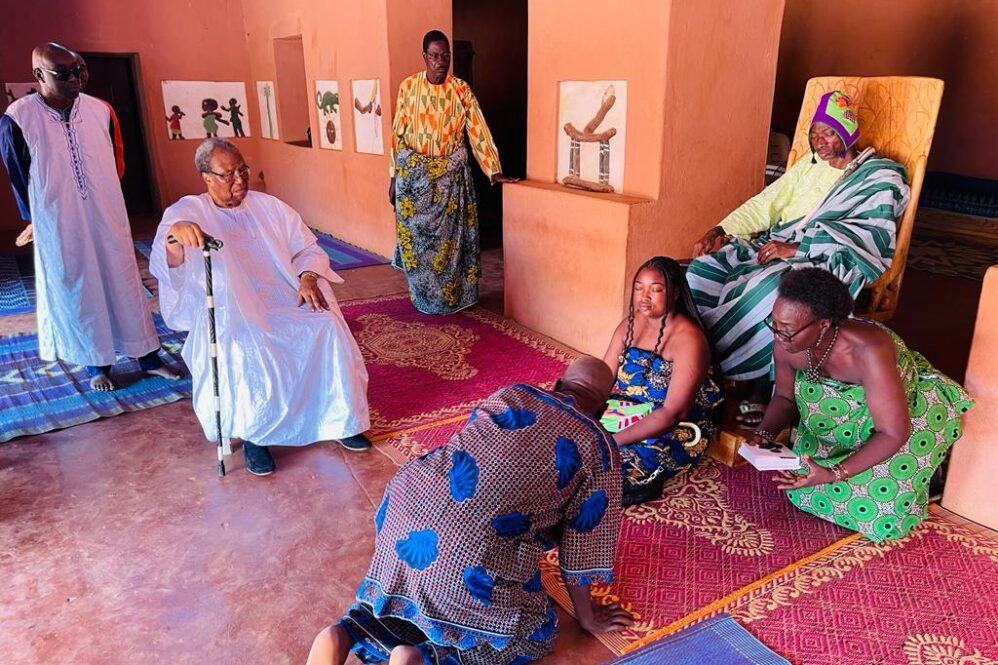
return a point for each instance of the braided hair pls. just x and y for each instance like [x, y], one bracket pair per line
[672, 273]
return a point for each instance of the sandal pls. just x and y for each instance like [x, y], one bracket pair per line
[750, 413]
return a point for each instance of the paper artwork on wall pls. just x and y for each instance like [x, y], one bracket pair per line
[367, 116]
[14, 91]
[266, 95]
[202, 109]
[327, 104]
[592, 118]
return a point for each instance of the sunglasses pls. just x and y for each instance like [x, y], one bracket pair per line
[77, 70]
[786, 337]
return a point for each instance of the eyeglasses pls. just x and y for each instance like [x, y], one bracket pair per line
[77, 70]
[443, 57]
[228, 178]
[786, 337]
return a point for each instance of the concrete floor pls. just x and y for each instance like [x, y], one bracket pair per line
[119, 544]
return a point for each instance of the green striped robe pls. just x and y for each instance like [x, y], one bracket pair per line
[850, 234]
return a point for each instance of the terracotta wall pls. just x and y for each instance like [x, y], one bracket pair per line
[697, 126]
[956, 41]
[588, 40]
[565, 250]
[342, 192]
[719, 86]
[193, 41]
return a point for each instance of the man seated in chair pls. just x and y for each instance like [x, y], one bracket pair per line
[837, 211]
[289, 371]
[460, 532]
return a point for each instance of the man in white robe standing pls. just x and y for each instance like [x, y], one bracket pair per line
[290, 372]
[59, 149]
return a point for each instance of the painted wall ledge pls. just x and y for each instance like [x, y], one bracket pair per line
[565, 256]
[624, 199]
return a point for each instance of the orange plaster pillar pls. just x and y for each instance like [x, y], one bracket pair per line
[970, 483]
[700, 80]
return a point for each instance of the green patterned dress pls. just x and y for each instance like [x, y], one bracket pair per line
[887, 500]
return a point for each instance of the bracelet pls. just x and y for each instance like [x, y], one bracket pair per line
[841, 475]
[765, 434]
[308, 272]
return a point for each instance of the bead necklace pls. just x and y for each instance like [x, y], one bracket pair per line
[812, 373]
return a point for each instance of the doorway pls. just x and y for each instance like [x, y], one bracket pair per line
[293, 99]
[490, 53]
[113, 78]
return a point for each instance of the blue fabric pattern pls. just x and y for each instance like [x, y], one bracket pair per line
[515, 419]
[379, 517]
[463, 476]
[567, 460]
[511, 525]
[546, 630]
[479, 583]
[644, 376]
[419, 550]
[591, 512]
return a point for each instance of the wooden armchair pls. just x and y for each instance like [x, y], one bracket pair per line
[897, 116]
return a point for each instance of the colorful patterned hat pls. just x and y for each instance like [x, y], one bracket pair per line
[836, 111]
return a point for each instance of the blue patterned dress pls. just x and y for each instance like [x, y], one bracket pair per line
[461, 530]
[644, 376]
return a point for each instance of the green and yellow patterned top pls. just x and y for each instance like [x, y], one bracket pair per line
[887, 500]
[432, 119]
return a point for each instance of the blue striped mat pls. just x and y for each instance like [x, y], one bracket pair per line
[38, 396]
[342, 255]
[17, 283]
[719, 640]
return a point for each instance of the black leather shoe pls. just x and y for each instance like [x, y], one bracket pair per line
[356, 443]
[258, 459]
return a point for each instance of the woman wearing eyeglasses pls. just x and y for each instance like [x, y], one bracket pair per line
[872, 419]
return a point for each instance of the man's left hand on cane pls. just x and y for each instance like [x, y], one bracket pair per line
[309, 292]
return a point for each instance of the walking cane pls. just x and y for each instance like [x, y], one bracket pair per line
[212, 244]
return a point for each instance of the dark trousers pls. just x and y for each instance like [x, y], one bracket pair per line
[147, 362]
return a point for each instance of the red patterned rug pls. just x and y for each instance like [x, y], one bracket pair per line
[713, 532]
[930, 598]
[428, 368]
[408, 444]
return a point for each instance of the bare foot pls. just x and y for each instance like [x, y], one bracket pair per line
[330, 647]
[102, 382]
[164, 372]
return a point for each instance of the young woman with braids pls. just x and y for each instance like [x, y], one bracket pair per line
[660, 355]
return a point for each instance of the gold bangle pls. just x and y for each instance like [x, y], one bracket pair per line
[308, 272]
